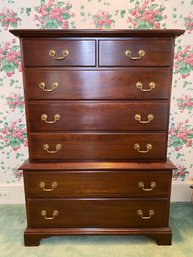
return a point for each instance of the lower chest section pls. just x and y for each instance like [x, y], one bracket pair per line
[97, 199]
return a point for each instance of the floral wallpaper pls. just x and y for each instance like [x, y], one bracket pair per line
[90, 14]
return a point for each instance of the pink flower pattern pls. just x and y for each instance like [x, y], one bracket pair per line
[15, 101]
[10, 58]
[181, 172]
[180, 135]
[54, 15]
[9, 18]
[185, 102]
[189, 23]
[103, 20]
[18, 174]
[146, 15]
[14, 135]
[184, 61]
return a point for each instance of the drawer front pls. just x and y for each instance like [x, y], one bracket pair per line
[139, 83]
[64, 52]
[97, 116]
[97, 213]
[97, 184]
[98, 146]
[143, 52]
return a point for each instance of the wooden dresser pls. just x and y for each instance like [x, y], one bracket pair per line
[97, 108]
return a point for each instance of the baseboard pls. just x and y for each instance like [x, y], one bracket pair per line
[181, 192]
[16, 193]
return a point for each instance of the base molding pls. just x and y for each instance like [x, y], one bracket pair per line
[33, 236]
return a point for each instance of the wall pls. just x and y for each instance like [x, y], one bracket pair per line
[99, 14]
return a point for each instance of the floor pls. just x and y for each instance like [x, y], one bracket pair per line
[12, 225]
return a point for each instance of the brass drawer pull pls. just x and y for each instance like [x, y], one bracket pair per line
[137, 148]
[140, 213]
[65, 53]
[45, 116]
[46, 148]
[141, 54]
[150, 117]
[43, 184]
[42, 85]
[141, 185]
[139, 85]
[55, 214]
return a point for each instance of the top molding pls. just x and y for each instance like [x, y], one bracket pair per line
[33, 33]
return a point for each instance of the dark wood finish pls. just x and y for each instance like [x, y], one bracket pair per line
[33, 236]
[39, 33]
[97, 213]
[98, 146]
[98, 116]
[97, 84]
[157, 52]
[97, 168]
[97, 184]
[104, 166]
[162, 239]
[36, 52]
[32, 239]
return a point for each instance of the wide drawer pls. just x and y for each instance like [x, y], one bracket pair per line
[55, 184]
[136, 52]
[97, 116]
[98, 146]
[97, 213]
[133, 83]
[52, 52]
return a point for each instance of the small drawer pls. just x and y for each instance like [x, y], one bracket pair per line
[136, 52]
[98, 146]
[64, 184]
[58, 52]
[141, 83]
[97, 116]
[97, 213]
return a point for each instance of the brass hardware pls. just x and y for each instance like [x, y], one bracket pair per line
[55, 214]
[149, 116]
[42, 85]
[42, 185]
[46, 148]
[45, 116]
[141, 185]
[141, 54]
[139, 85]
[140, 213]
[65, 53]
[137, 148]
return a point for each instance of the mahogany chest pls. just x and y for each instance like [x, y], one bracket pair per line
[97, 109]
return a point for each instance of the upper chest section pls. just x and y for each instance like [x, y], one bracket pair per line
[94, 48]
[102, 52]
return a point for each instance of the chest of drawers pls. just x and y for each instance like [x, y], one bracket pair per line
[97, 109]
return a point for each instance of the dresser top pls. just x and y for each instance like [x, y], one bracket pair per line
[32, 33]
